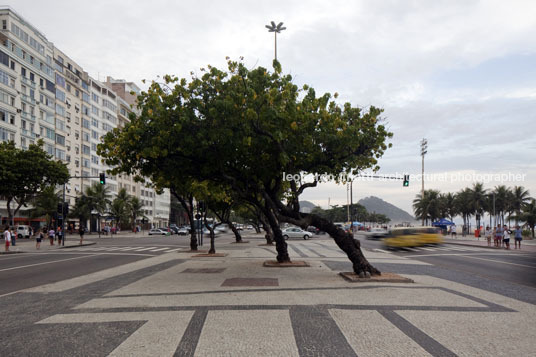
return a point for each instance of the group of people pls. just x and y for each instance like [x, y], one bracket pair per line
[501, 236]
[10, 236]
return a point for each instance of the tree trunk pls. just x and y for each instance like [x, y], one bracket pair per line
[269, 234]
[280, 244]
[189, 208]
[238, 237]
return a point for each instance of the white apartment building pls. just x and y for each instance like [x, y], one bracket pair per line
[45, 94]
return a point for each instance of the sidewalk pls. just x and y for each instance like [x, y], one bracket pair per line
[28, 245]
[527, 245]
[233, 306]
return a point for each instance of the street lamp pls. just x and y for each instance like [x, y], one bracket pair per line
[275, 29]
[424, 148]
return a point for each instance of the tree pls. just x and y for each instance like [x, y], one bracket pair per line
[135, 210]
[502, 194]
[465, 206]
[249, 130]
[427, 207]
[479, 200]
[25, 172]
[520, 197]
[98, 200]
[45, 203]
[528, 215]
[81, 210]
[119, 207]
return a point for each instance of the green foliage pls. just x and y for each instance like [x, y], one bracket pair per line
[25, 172]
[45, 203]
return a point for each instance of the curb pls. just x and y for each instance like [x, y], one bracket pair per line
[11, 252]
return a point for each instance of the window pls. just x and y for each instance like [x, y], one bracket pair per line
[50, 86]
[32, 77]
[60, 95]
[6, 116]
[85, 136]
[94, 159]
[85, 123]
[5, 79]
[60, 124]
[109, 105]
[4, 58]
[6, 135]
[85, 162]
[95, 110]
[93, 147]
[60, 110]
[4, 24]
[85, 97]
[94, 97]
[85, 149]
[23, 71]
[60, 80]
[60, 139]
[94, 134]
[94, 122]
[60, 154]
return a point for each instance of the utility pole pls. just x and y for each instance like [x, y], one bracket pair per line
[424, 148]
[275, 29]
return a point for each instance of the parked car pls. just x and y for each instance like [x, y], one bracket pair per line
[295, 232]
[23, 231]
[376, 233]
[183, 231]
[174, 229]
[158, 231]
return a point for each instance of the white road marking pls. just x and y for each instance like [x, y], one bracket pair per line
[159, 249]
[381, 250]
[140, 250]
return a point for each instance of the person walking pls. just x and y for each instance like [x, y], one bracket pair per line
[498, 236]
[13, 233]
[59, 234]
[453, 230]
[7, 238]
[487, 234]
[51, 234]
[518, 236]
[81, 232]
[506, 237]
[38, 238]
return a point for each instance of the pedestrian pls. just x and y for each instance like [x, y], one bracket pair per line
[81, 232]
[498, 236]
[506, 236]
[38, 238]
[453, 230]
[487, 234]
[13, 233]
[59, 234]
[7, 237]
[518, 236]
[51, 234]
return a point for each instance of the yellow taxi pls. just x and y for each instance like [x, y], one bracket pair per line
[412, 237]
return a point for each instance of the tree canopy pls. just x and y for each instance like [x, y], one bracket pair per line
[25, 172]
[246, 130]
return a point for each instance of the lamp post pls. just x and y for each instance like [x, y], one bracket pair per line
[275, 29]
[424, 148]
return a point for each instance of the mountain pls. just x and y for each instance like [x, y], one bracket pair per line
[375, 204]
[306, 206]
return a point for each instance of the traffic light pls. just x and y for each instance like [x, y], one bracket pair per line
[102, 177]
[406, 181]
[60, 208]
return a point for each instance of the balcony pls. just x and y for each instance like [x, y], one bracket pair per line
[28, 99]
[28, 82]
[28, 134]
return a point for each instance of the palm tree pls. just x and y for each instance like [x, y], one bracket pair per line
[501, 202]
[479, 198]
[465, 206]
[427, 206]
[520, 197]
[119, 208]
[447, 204]
[98, 200]
[45, 204]
[528, 215]
[81, 210]
[135, 210]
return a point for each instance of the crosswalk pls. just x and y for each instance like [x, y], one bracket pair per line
[128, 249]
[440, 248]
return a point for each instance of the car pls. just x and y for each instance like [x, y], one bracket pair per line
[376, 233]
[295, 232]
[174, 229]
[412, 237]
[183, 231]
[23, 231]
[158, 231]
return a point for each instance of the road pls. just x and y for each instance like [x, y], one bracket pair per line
[131, 287]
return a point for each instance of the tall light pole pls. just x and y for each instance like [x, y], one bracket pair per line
[424, 148]
[275, 29]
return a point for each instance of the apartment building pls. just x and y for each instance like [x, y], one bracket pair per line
[45, 94]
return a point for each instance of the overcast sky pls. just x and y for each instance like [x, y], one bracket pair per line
[460, 73]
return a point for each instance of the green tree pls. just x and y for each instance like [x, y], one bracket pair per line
[246, 129]
[427, 207]
[520, 197]
[45, 204]
[81, 210]
[98, 200]
[502, 198]
[135, 210]
[25, 172]
[119, 207]
[465, 206]
[528, 215]
[479, 200]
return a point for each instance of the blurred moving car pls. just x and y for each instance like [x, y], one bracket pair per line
[295, 232]
[376, 233]
[412, 237]
[158, 231]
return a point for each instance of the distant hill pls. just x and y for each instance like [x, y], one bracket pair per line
[375, 204]
[306, 206]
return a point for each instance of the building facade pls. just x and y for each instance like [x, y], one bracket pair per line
[46, 95]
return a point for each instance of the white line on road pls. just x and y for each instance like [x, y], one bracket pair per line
[139, 250]
[381, 250]
[156, 250]
[499, 261]
[55, 261]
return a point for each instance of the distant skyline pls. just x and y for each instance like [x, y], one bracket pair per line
[460, 73]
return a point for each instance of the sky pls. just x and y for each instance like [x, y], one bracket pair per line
[461, 74]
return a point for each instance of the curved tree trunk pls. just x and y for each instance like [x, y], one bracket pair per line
[280, 244]
[238, 237]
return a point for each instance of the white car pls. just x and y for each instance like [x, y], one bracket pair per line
[296, 232]
[158, 231]
[376, 233]
[23, 231]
